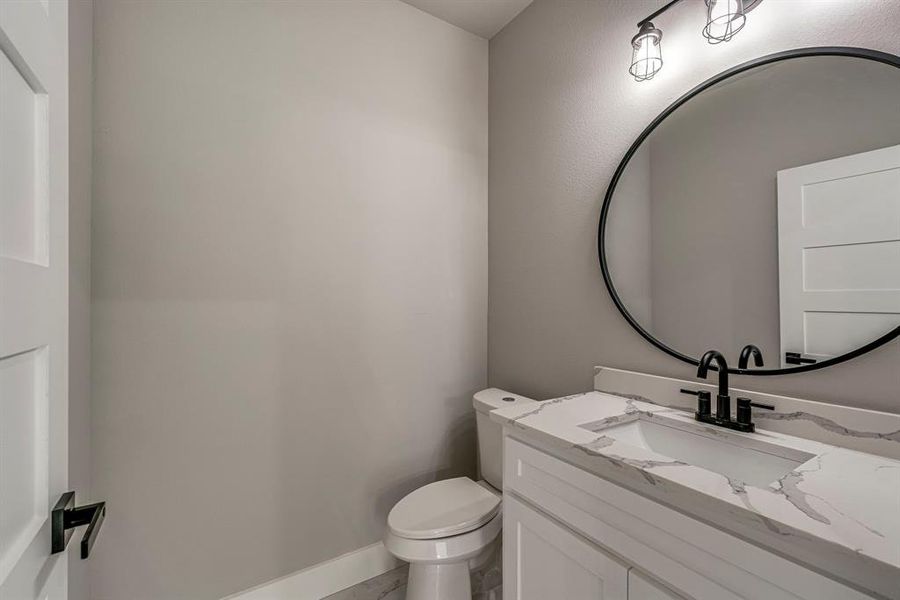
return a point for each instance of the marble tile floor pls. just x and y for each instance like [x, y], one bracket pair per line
[387, 586]
[486, 584]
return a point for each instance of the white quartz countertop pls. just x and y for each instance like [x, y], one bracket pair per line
[838, 512]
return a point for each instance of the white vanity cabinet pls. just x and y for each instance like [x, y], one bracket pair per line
[553, 562]
[641, 587]
[571, 535]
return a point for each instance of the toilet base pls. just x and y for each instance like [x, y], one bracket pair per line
[439, 582]
[439, 569]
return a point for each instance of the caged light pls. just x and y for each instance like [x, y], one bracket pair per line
[646, 55]
[724, 18]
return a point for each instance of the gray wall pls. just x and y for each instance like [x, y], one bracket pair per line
[289, 281]
[563, 111]
[80, 151]
[629, 252]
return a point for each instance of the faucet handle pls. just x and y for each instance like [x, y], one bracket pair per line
[704, 400]
[744, 412]
[747, 403]
[764, 406]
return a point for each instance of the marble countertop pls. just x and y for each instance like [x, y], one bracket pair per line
[838, 512]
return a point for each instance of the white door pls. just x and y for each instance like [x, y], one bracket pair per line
[839, 253]
[33, 293]
[543, 559]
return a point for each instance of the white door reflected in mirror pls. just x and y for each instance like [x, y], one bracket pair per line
[839, 252]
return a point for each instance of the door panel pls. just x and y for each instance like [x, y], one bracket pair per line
[24, 461]
[543, 559]
[839, 253]
[33, 292]
[24, 165]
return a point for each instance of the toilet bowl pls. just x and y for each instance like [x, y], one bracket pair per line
[444, 530]
[448, 528]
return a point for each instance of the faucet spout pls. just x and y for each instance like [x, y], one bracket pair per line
[721, 365]
[748, 351]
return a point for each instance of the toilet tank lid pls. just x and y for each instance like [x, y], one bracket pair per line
[493, 398]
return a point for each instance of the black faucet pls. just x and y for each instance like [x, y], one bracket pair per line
[723, 400]
[749, 350]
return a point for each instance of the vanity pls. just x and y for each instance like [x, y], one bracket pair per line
[609, 496]
[751, 229]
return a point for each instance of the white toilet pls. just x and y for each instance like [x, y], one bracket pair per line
[447, 528]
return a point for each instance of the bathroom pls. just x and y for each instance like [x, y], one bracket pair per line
[386, 299]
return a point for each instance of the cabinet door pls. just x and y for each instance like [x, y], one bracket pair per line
[641, 587]
[543, 559]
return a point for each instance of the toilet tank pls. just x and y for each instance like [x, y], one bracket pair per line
[490, 434]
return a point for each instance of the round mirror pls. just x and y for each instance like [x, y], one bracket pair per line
[763, 209]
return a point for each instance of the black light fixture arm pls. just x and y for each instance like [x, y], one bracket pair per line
[663, 9]
[748, 6]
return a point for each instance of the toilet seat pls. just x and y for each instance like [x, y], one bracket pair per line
[447, 529]
[448, 550]
[443, 509]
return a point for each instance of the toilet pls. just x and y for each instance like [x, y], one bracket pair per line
[447, 528]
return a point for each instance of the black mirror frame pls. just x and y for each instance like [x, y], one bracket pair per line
[882, 57]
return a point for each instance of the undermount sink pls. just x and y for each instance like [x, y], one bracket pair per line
[751, 461]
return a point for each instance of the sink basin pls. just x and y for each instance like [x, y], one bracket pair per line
[752, 461]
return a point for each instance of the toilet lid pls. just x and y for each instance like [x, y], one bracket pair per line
[444, 508]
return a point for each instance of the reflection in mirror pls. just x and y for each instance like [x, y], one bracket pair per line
[766, 211]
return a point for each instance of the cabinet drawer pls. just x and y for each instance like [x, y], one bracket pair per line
[543, 559]
[697, 560]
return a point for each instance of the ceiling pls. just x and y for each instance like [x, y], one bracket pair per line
[481, 17]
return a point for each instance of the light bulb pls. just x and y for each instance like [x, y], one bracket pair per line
[646, 55]
[724, 18]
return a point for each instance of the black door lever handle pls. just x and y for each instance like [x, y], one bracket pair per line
[66, 516]
[795, 358]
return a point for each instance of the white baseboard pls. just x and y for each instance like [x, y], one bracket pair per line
[325, 578]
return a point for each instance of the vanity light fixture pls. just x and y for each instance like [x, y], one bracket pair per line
[646, 54]
[724, 18]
